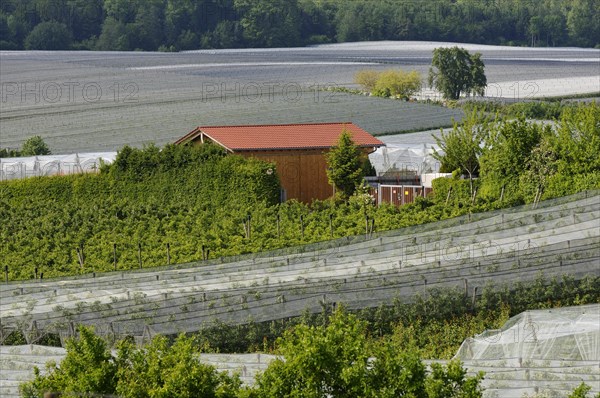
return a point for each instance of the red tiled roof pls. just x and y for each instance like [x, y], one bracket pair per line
[283, 136]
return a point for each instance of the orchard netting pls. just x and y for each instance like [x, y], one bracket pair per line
[557, 238]
[50, 165]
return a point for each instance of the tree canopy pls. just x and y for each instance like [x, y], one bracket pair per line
[389, 83]
[337, 360]
[35, 146]
[49, 35]
[454, 72]
[159, 369]
[507, 148]
[462, 146]
[172, 25]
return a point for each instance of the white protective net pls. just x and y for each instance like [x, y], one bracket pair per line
[558, 238]
[570, 333]
[541, 353]
[49, 165]
[402, 158]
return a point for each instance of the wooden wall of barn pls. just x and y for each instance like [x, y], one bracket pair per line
[303, 173]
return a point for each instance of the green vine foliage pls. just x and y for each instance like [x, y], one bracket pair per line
[190, 197]
[184, 196]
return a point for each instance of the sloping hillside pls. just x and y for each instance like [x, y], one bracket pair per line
[558, 237]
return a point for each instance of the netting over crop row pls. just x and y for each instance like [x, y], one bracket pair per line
[559, 237]
[571, 333]
[548, 351]
[49, 165]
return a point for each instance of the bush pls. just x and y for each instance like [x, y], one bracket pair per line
[397, 83]
[389, 83]
[159, 369]
[367, 79]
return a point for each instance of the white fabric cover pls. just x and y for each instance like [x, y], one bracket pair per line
[49, 165]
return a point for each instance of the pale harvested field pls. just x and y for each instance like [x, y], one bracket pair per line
[98, 101]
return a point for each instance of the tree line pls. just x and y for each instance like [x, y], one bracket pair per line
[175, 25]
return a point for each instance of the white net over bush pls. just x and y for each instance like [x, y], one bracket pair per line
[541, 353]
[570, 333]
[402, 158]
[49, 165]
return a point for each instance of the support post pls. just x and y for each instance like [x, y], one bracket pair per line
[140, 254]
[249, 225]
[278, 226]
[168, 254]
[331, 224]
[448, 196]
[80, 257]
[115, 256]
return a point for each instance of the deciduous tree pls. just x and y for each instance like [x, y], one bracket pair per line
[366, 78]
[454, 72]
[158, 370]
[462, 146]
[508, 146]
[397, 83]
[50, 35]
[339, 361]
[269, 23]
[87, 368]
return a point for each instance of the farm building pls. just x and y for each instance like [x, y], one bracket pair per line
[298, 151]
[404, 172]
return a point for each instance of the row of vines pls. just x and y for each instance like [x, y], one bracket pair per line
[198, 202]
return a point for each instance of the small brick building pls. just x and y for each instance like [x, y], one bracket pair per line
[298, 151]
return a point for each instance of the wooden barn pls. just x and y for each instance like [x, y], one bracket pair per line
[298, 151]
